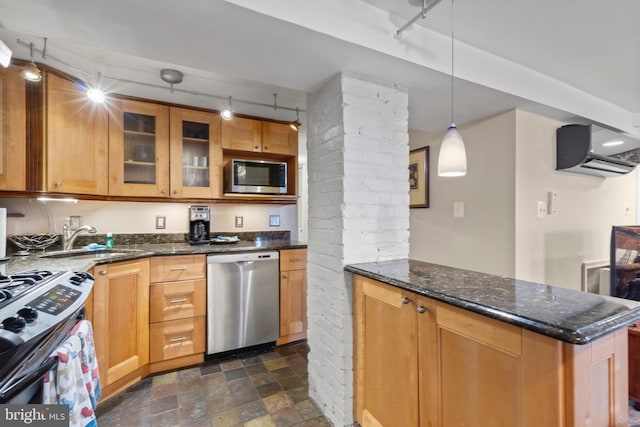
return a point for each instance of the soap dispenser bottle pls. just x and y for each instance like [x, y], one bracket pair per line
[109, 242]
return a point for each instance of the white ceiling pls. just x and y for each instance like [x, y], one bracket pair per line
[571, 59]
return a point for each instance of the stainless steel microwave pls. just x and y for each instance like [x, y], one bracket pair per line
[255, 177]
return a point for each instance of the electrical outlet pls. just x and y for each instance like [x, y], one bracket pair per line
[542, 210]
[239, 222]
[161, 222]
[274, 220]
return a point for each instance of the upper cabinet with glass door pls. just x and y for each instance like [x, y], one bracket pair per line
[138, 149]
[196, 154]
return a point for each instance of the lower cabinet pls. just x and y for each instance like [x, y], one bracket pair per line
[120, 313]
[420, 362]
[178, 311]
[293, 295]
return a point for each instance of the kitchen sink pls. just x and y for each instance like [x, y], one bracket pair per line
[90, 253]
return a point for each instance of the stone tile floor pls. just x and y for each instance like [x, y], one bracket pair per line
[259, 388]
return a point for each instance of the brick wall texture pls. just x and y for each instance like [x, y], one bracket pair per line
[358, 152]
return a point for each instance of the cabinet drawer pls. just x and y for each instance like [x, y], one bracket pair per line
[293, 259]
[177, 300]
[176, 338]
[181, 267]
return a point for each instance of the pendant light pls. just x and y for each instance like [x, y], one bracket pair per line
[452, 160]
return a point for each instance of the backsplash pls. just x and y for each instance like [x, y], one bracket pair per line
[151, 238]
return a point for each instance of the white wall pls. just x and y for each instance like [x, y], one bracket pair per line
[483, 239]
[552, 250]
[139, 217]
[511, 162]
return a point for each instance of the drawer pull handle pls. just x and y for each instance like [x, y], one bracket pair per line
[178, 301]
[178, 339]
[405, 300]
[178, 268]
[295, 260]
[103, 272]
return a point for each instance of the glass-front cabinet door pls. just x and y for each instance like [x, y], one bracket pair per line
[195, 154]
[138, 149]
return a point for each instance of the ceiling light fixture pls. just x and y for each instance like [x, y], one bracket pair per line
[95, 93]
[423, 14]
[227, 113]
[452, 160]
[31, 71]
[295, 125]
[171, 76]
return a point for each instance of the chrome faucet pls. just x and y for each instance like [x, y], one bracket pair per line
[69, 235]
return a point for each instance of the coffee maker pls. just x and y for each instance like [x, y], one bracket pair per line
[199, 220]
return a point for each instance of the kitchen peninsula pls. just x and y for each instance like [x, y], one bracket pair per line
[441, 346]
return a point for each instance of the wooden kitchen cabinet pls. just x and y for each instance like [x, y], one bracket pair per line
[77, 134]
[241, 134]
[293, 295]
[279, 138]
[13, 138]
[138, 149]
[420, 362]
[196, 154]
[121, 323]
[178, 298]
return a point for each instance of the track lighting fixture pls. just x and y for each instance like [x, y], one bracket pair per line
[227, 114]
[295, 125]
[31, 71]
[95, 93]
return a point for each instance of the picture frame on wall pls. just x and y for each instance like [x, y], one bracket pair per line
[419, 178]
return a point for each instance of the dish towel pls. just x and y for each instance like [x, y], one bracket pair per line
[74, 381]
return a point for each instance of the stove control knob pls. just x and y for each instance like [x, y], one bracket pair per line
[28, 313]
[14, 324]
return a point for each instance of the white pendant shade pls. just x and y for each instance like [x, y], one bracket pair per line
[452, 160]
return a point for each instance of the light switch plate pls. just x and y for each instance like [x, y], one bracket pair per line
[239, 222]
[274, 220]
[542, 210]
[458, 209]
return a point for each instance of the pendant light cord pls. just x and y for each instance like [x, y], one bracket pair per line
[452, 61]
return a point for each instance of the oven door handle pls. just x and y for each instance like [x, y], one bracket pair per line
[28, 379]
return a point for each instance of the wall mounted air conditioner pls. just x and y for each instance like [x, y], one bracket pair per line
[592, 150]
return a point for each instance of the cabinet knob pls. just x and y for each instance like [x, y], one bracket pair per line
[265, 148]
[285, 276]
[162, 190]
[405, 300]
[58, 184]
[256, 147]
[103, 272]
[421, 309]
[175, 191]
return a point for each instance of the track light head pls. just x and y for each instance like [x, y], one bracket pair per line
[31, 72]
[227, 113]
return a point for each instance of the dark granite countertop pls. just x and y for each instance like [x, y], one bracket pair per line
[567, 315]
[17, 264]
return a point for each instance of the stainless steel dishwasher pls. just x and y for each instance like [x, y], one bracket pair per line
[243, 300]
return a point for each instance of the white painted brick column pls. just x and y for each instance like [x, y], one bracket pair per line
[358, 153]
